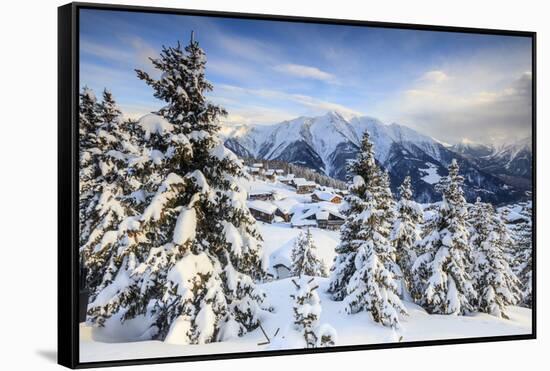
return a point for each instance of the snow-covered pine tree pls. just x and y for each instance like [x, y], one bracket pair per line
[387, 207]
[495, 282]
[442, 281]
[305, 260]
[405, 232]
[88, 121]
[508, 247]
[109, 205]
[523, 260]
[326, 336]
[526, 276]
[307, 309]
[363, 173]
[188, 262]
[363, 271]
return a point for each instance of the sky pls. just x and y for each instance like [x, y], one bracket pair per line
[452, 86]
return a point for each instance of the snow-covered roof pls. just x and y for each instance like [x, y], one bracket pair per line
[300, 222]
[287, 177]
[320, 211]
[324, 195]
[279, 171]
[258, 165]
[322, 215]
[303, 182]
[263, 206]
[259, 192]
[286, 205]
[270, 172]
[515, 216]
[282, 256]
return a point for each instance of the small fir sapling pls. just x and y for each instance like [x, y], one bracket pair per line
[307, 309]
[305, 260]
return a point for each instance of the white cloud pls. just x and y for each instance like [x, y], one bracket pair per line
[321, 106]
[135, 57]
[309, 105]
[458, 106]
[105, 52]
[435, 76]
[307, 72]
[143, 51]
[231, 69]
[256, 115]
[246, 48]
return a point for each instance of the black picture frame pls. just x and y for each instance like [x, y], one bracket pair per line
[68, 260]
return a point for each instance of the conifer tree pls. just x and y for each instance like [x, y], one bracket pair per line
[405, 232]
[88, 122]
[442, 282]
[509, 248]
[363, 271]
[364, 173]
[191, 257]
[307, 309]
[525, 274]
[109, 205]
[523, 262]
[326, 336]
[387, 207]
[495, 282]
[305, 260]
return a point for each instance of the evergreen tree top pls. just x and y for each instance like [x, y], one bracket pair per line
[451, 188]
[405, 190]
[109, 112]
[364, 166]
[88, 110]
[182, 86]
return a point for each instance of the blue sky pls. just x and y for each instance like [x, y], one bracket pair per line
[448, 85]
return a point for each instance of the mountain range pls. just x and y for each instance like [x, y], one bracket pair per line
[512, 162]
[326, 143]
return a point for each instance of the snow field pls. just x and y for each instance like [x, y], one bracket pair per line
[352, 329]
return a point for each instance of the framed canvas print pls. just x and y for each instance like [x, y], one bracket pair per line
[242, 185]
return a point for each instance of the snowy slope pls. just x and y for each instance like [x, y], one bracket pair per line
[117, 341]
[351, 329]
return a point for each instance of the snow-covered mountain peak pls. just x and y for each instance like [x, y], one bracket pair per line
[326, 143]
[334, 114]
[469, 147]
[512, 149]
[323, 139]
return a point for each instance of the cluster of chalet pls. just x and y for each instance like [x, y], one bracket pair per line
[323, 215]
[317, 207]
[257, 171]
[302, 185]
